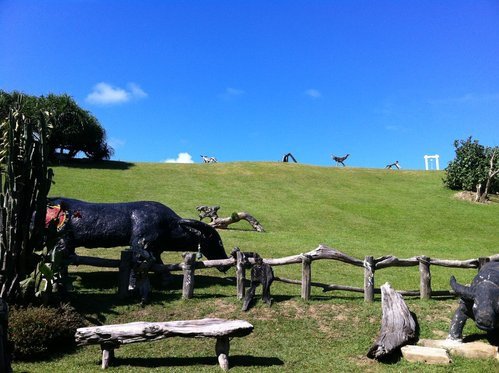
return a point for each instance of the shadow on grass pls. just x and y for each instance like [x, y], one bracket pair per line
[88, 164]
[234, 361]
[491, 337]
[96, 292]
[110, 280]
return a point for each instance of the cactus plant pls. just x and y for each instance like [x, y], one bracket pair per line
[25, 180]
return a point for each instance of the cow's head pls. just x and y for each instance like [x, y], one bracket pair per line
[210, 242]
[484, 294]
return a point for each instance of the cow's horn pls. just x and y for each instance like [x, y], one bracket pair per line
[461, 290]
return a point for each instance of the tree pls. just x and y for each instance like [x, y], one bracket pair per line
[475, 168]
[74, 129]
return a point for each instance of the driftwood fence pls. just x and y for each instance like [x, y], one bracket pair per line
[242, 262]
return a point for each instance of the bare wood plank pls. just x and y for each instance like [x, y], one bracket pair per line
[424, 277]
[397, 324]
[188, 281]
[306, 275]
[325, 287]
[321, 252]
[470, 263]
[125, 270]
[369, 279]
[392, 261]
[240, 274]
[120, 334]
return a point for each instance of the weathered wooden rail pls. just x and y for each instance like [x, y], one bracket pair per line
[322, 252]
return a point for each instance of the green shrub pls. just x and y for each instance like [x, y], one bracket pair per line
[38, 332]
[470, 166]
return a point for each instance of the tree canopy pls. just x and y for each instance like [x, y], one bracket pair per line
[475, 168]
[74, 129]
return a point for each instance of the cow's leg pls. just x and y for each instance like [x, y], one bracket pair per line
[67, 251]
[462, 314]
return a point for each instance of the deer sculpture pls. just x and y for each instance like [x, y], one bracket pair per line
[339, 160]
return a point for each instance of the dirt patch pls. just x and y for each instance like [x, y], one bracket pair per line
[366, 364]
[223, 308]
[467, 196]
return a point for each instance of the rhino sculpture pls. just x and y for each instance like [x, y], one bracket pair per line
[479, 301]
[144, 225]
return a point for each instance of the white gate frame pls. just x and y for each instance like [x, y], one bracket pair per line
[435, 157]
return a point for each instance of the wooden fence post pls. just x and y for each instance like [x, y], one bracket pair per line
[125, 269]
[188, 283]
[306, 277]
[482, 261]
[240, 274]
[424, 277]
[369, 279]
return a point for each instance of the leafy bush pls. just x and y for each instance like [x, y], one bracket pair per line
[470, 166]
[38, 332]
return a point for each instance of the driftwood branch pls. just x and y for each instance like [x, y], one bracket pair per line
[211, 212]
[397, 324]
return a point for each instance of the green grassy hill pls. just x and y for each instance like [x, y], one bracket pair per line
[358, 211]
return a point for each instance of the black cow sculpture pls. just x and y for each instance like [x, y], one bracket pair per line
[479, 301]
[149, 226]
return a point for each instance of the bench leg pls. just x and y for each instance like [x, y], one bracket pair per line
[222, 349]
[107, 356]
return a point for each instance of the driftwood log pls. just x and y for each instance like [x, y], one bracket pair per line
[211, 212]
[398, 327]
[110, 337]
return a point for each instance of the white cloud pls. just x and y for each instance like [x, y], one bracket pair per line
[136, 91]
[181, 158]
[116, 143]
[106, 94]
[314, 93]
[231, 93]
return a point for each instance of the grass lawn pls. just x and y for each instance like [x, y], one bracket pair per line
[357, 211]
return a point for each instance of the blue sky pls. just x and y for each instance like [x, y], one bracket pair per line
[254, 80]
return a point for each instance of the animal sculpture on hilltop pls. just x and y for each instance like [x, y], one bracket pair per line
[207, 159]
[339, 160]
[479, 301]
[396, 165]
[286, 157]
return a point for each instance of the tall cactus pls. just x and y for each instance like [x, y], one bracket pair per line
[25, 181]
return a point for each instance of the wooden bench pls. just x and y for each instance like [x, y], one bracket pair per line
[110, 337]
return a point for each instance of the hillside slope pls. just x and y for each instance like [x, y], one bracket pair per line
[358, 211]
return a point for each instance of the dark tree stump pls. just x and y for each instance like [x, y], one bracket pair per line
[261, 273]
[398, 327]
